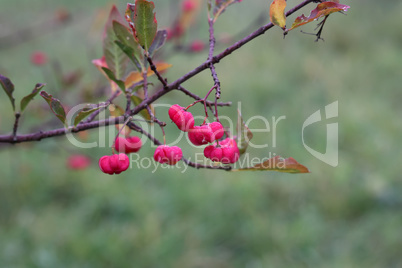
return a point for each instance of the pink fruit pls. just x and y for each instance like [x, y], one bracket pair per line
[184, 120]
[197, 46]
[226, 152]
[168, 155]
[128, 145]
[189, 5]
[114, 164]
[204, 134]
[38, 58]
[78, 162]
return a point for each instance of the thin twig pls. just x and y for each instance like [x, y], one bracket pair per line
[153, 68]
[15, 128]
[196, 97]
[210, 56]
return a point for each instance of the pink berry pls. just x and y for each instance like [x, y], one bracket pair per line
[114, 164]
[78, 162]
[204, 134]
[128, 145]
[227, 152]
[197, 46]
[38, 58]
[168, 155]
[184, 120]
[189, 5]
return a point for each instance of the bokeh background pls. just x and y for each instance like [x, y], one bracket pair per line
[344, 216]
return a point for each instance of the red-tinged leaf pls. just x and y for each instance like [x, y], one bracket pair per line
[117, 111]
[55, 106]
[135, 77]
[145, 24]
[99, 63]
[277, 163]
[114, 56]
[28, 98]
[277, 13]
[8, 87]
[322, 10]
[91, 108]
[244, 135]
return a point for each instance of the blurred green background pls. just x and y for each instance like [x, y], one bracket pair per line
[344, 216]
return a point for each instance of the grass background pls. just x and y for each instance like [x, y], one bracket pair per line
[348, 216]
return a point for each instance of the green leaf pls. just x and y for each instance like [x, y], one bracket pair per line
[158, 42]
[322, 10]
[114, 56]
[277, 13]
[127, 43]
[55, 106]
[28, 98]
[8, 88]
[244, 135]
[145, 24]
[111, 76]
[132, 54]
[91, 108]
[277, 163]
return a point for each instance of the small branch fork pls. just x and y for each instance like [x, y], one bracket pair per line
[204, 100]
[176, 85]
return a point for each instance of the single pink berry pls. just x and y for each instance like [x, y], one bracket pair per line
[197, 46]
[114, 164]
[128, 145]
[168, 155]
[184, 120]
[78, 162]
[226, 152]
[204, 134]
[38, 58]
[189, 5]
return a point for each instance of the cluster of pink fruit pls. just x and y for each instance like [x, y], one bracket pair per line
[117, 163]
[225, 151]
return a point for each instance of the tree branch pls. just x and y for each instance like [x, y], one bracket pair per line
[158, 94]
[60, 131]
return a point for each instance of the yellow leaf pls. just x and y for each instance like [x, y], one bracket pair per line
[135, 77]
[277, 13]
